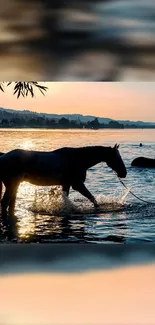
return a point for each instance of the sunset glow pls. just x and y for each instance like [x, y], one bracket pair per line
[127, 100]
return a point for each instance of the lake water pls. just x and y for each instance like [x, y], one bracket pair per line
[121, 218]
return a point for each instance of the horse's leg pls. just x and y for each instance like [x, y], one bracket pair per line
[13, 198]
[1, 184]
[12, 204]
[1, 190]
[8, 200]
[66, 189]
[81, 188]
[5, 201]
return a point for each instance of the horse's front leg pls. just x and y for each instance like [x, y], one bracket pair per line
[81, 188]
[66, 189]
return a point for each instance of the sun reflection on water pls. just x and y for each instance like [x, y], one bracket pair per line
[27, 145]
[26, 227]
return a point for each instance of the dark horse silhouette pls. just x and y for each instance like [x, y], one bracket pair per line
[143, 162]
[66, 167]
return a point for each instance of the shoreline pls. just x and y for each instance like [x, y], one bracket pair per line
[72, 129]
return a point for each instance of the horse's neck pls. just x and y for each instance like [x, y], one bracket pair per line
[92, 156]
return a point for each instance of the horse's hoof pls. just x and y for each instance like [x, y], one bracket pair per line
[96, 204]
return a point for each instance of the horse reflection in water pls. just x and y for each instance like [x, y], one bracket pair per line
[66, 167]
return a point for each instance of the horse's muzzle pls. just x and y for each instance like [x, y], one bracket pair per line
[122, 174]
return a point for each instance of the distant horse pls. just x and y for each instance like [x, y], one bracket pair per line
[143, 162]
[66, 167]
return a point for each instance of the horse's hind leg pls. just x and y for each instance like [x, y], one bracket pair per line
[1, 188]
[1, 191]
[12, 204]
[5, 201]
[66, 189]
[8, 200]
[1, 184]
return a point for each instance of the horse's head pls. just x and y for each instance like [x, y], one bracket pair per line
[115, 162]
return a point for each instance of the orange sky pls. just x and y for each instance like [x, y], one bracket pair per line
[119, 100]
[114, 297]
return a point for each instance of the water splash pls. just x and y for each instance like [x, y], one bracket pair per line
[55, 202]
[52, 201]
[127, 191]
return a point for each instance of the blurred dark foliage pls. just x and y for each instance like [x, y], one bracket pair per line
[72, 257]
[100, 40]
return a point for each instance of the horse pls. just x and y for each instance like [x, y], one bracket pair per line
[143, 162]
[66, 167]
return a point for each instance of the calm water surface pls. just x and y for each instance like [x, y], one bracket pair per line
[49, 217]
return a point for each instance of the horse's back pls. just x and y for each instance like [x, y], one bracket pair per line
[30, 156]
[143, 162]
[63, 163]
[12, 156]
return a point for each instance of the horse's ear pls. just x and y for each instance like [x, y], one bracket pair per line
[116, 146]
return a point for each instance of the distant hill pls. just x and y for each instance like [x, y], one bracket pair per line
[80, 117]
[139, 123]
[8, 114]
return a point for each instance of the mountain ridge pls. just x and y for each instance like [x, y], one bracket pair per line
[8, 112]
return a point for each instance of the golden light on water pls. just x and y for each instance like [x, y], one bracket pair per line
[26, 189]
[26, 225]
[27, 145]
[26, 228]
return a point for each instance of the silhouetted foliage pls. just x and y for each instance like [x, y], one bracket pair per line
[23, 88]
[46, 122]
[64, 122]
[94, 124]
[115, 125]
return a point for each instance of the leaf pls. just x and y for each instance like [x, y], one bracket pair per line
[22, 88]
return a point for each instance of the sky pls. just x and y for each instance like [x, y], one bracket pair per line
[122, 296]
[117, 100]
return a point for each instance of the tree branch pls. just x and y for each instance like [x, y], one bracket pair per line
[23, 88]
